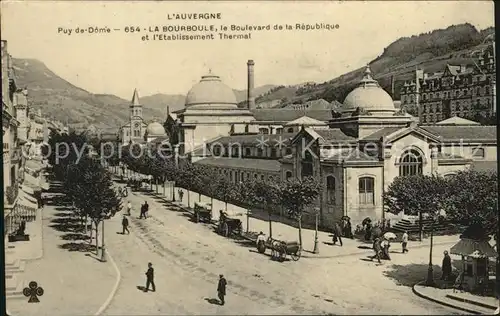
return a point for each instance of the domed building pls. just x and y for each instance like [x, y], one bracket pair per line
[155, 131]
[210, 111]
[369, 143]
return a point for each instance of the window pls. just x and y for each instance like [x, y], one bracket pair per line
[246, 128]
[478, 152]
[288, 175]
[330, 190]
[260, 152]
[289, 130]
[366, 191]
[273, 153]
[264, 130]
[255, 176]
[247, 152]
[262, 177]
[486, 90]
[411, 163]
[288, 151]
[279, 130]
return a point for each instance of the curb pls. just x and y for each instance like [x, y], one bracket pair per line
[41, 248]
[419, 294]
[115, 287]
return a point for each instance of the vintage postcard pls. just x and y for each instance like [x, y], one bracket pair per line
[249, 157]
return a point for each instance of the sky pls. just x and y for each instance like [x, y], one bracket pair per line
[118, 62]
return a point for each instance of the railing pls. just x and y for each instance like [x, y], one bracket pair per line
[19, 214]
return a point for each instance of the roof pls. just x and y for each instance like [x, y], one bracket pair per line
[255, 164]
[211, 91]
[382, 133]
[305, 120]
[135, 99]
[333, 135]
[470, 133]
[351, 154]
[255, 139]
[287, 115]
[475, 248]
[455, 120]
[160, 139]
[485, 166]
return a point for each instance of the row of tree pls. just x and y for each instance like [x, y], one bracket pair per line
[467, 197]
[86, 183]
[295, 196]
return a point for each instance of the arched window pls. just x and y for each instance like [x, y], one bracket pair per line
[247, 151]
[411, 163]
[288, 175]
[262, 177]
[289, 130]
[449, 176]
[330, 190]
[367, 191]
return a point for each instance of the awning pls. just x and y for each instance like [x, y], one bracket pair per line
[27, 189]
[470, 247]
[25, 200]
[32, 181]
[34, 165]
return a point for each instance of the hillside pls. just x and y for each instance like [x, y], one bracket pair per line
[429, 51]
[61, 100]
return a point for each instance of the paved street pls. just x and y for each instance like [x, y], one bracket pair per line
[188, 257]
[74, 281]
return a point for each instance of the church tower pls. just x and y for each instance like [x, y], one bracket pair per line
[136, 120]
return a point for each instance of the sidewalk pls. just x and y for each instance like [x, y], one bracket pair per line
[464, 301]
[72, 278]
[286, 232]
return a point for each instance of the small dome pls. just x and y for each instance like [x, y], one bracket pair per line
[155, 129]
[211, 92]
[369, 96]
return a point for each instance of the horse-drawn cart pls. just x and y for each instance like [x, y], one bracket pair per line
[280, 249]
[229, 225]
[202, 212]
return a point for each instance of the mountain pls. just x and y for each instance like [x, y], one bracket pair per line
[429, 51]
[60, 100]
[175, 102]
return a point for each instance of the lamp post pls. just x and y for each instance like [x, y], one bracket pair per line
[103, 247]
[316, 244]
[430, 270]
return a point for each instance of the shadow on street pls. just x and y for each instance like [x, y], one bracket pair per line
[409, 275]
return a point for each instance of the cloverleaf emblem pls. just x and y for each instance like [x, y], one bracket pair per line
[33, 291]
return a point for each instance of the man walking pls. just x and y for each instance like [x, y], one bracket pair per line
[150, 278]
[377, 248]
[404, 241]
[181, 194]
[143, 208]
[337, 234]
[446, 267]
[125, 225]
[129, 208]
[221, 288]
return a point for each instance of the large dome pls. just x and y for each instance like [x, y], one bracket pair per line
[155, 129]
[211, 92]
[369, 96]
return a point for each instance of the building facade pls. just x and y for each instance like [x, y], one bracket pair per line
[458, 90]
[135, 129]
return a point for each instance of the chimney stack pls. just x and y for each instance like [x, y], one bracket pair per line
[250, 96]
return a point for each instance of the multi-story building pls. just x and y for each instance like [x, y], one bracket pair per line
[458, 90]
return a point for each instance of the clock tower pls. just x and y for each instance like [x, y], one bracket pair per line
[136, 122]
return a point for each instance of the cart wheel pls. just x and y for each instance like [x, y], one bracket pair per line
[296, 256]
[225, 230]
[196, 217]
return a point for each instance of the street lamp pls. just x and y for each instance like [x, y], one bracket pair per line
[430, 270]
[103, 247]
[316, 244]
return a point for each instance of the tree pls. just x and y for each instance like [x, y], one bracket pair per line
[473, 198]
[266, 195]
[296, 195]
[187, 177]
[416, 195]
[224, 190]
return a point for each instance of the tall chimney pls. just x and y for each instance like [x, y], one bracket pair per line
[250, 96]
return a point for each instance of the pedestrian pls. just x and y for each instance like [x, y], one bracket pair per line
[143, 211]
[221, 289]
[146, 209]
[446, 266]
[150, 278]
[125, 225]
[348, 228]
[377, 249]
[385, 245]
[129, 208]
[181, 194]
[337, 234]
[368, 231]
[404, 241]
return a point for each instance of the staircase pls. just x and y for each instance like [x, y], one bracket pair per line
[413, 227]
[14, 285]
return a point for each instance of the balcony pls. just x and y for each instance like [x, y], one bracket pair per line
[11, 193]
